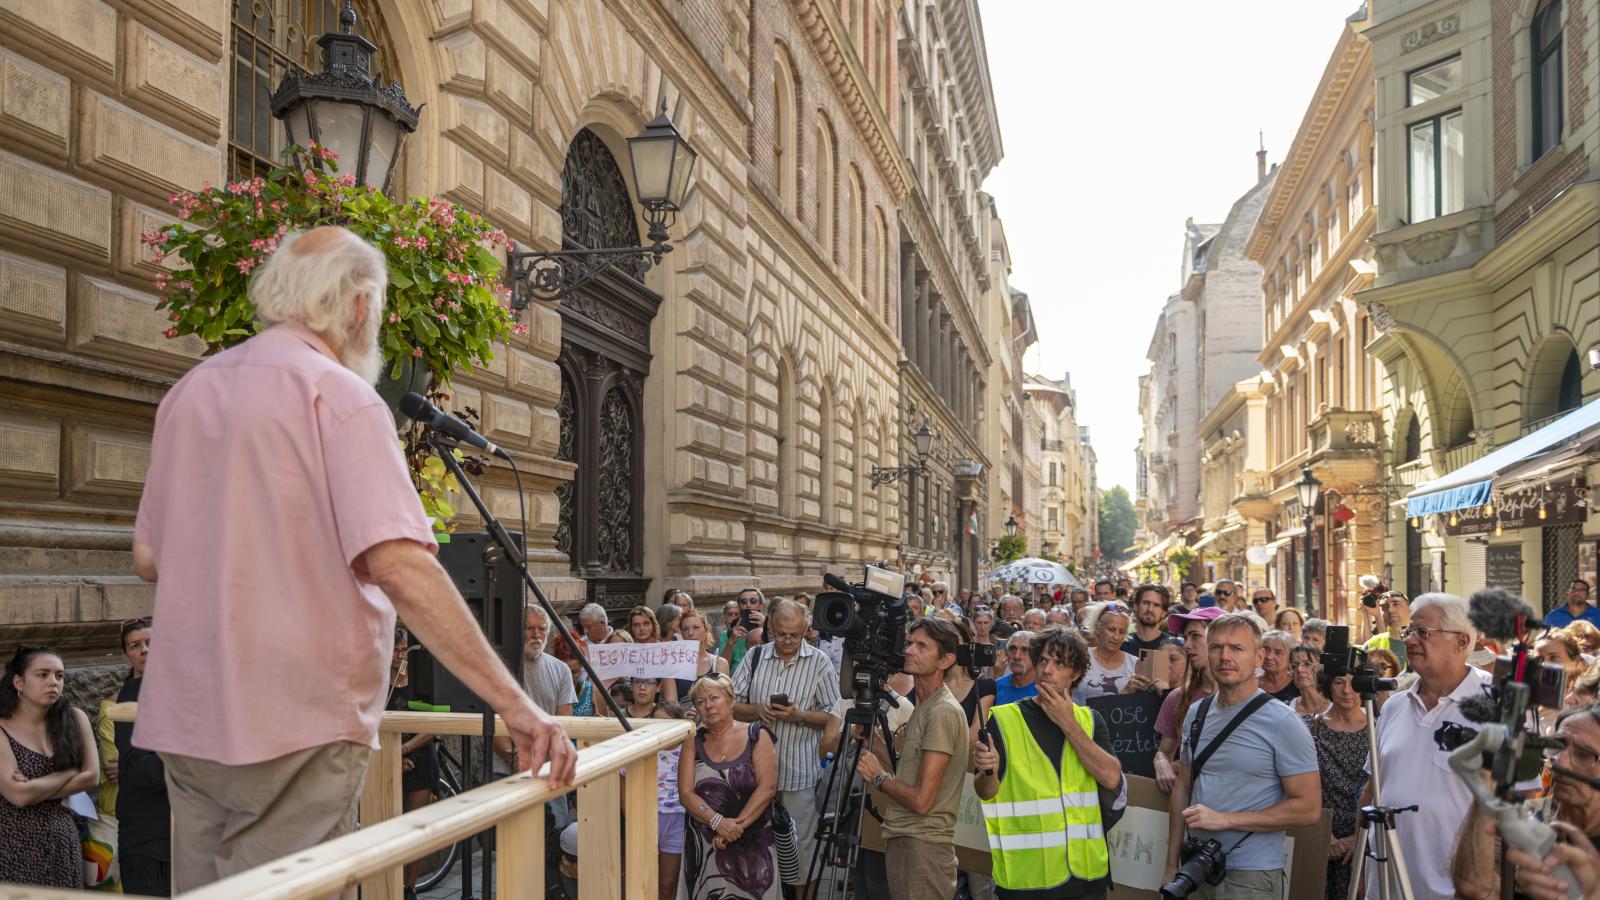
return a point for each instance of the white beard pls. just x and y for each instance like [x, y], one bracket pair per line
[362, 354]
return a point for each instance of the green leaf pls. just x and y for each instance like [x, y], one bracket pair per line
[399, 279]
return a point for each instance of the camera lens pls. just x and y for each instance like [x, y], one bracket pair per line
[835, 613]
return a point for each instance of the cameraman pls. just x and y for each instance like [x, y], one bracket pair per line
[923, 793]
[1050, 752]
[1264, 782]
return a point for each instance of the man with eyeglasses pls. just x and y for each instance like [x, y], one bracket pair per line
[1396, 611]
[1266, 605]
[1577, 607]
[1017, 684]
[791, 687]
[1577, 804]
[1437, 641]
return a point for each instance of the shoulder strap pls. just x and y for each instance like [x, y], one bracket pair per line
[1255, 703]
[753, 657]
[1195, 726]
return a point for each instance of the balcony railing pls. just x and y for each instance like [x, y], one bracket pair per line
[374, 857]
[1344, 430]
[1453, 458]
[1049, 444]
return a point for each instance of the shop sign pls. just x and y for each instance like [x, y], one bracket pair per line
[1564, 504]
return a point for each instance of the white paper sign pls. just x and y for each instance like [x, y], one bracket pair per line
[669, 659]
[1138, 848]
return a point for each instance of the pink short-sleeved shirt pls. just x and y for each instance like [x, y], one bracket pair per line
[273, 468]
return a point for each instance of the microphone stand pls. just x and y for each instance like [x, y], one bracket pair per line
[444, 447]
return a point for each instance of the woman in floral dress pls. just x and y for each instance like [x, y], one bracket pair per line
[726, 781]
[1340, 735]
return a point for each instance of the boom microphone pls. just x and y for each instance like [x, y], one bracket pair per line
[417, 408]
[1500, 615]
[835, 582]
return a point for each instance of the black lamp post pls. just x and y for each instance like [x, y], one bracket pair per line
[1309, 489]
[662, 162]
[923, 439]
[343, 108]
[1011, 526]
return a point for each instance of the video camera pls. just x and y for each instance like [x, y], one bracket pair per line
[870, 617]
[975, 656]
[1340, 659]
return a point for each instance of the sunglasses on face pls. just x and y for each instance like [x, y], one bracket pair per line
[1224, 593]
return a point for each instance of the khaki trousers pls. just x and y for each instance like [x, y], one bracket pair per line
[920, 870]
[1240, 884]
[226, 819]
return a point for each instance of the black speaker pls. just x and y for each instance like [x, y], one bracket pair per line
[497, 584]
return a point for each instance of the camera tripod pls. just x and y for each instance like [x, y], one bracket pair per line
[1377, 837]
[838, 833]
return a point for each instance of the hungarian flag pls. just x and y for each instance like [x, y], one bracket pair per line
[972, 520]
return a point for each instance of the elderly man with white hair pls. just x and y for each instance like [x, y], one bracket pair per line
[1412, 769]
[278, 503]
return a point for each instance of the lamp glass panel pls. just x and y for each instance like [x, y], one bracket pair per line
[682, 166]
[924, 441]
[652, 167]
[384, 146]
[339, 129]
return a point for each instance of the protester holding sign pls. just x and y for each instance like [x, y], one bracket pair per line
[1266, 782]
[1048, 778]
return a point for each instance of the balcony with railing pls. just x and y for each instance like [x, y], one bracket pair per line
[617, 841]
[1052, 444]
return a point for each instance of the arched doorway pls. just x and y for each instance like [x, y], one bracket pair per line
[605, 358]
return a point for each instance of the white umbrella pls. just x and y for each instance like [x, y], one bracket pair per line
[1034, 570]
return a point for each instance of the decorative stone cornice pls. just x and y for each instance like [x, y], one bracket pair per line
[829, 38]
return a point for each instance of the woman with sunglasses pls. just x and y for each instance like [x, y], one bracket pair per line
[1110, 669]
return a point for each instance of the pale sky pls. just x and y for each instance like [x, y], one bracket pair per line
[1119, 121]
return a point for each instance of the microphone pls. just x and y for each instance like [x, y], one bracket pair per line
[835, 582]
[417, 408]
[1501, 615]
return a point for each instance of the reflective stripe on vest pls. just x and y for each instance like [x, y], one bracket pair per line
[1043, 830]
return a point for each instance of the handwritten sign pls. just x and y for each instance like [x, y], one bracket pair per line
[668, 659]
[1131, 719]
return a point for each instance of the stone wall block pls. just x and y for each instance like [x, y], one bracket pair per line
[30, 451]
[134, 258]
[113, 322]
[462, 61]
[199, 25]
[77, 35]
[531, 166]
[509, 88]
[105, 462]
[506, 25]
[127, 598]
[180, 86]
[150, 159]
[508, 203]
[35, 105]
[45, 209]
[460, 174]
[506, 420]
[478, 126]
[33, 301]
[39, 604]
[544, 330]
[547, 431]
[538, 379]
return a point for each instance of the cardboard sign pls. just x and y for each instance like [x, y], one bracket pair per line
[1132, 721]
[668, 659]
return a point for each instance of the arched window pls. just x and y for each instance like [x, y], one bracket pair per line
[827, 184]
[269, 38]
[881, 260]
[785, 160]
[786, 439]
[1411, 448]
[828, 494]
[1554, 380]
[854, 255]
[1545, 40]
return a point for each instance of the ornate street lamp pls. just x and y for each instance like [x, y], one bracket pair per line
[923, 440]
[343, 108]
[1309, 489]
[1011, 526]
[662, 161]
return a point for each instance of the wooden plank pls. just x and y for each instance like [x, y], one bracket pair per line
[519, 860]
[381, 801]
[598, 841]
[592, 728]
[329, 867]
[641, 871]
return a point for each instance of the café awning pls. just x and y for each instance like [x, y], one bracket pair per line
[1473, 483]
[1159, 548]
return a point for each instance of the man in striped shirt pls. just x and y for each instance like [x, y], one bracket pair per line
[792, 687]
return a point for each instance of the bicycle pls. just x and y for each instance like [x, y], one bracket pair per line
[432, 869]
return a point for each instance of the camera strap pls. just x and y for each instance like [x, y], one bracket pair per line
[1195, 727]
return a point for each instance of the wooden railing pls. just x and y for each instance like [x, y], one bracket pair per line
[374, 856]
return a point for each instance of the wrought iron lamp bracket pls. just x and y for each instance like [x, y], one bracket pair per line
[555, 275]
[895, 473]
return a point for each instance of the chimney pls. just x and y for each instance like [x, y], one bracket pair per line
[1261, 158]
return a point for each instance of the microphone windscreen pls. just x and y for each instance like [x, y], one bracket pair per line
[835, 582]
[1496, 612]
[1481, 708]
[415, 406]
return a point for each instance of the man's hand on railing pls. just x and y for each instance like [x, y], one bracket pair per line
[540, 739]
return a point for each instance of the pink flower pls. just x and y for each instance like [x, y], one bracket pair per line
[416, 351]
[394, 318]
[520, 328]
[162, 281]
[170, 332]
[347, 180]
[443, 317]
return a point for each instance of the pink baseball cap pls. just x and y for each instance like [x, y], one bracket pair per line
[1203, 614]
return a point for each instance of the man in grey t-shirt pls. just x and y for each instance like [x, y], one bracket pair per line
[1261, 782]
[547, 680]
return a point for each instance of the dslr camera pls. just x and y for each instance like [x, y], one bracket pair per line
[870, 617]
[974, 656]
[1340, 659]
[1203, 862]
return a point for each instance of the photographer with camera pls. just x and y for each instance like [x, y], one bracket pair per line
[1437, 642]
[747, 630]
[1396, 611]
[920, 796]
[1047, 764]
[1229, 842]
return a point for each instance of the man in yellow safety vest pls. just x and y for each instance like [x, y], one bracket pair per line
[1049, 783]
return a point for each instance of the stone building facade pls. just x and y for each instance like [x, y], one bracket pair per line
[1486, 299]
[1319, 381]
[947, 124]
[1069, 498]
[1009, 328]
[749, 392]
